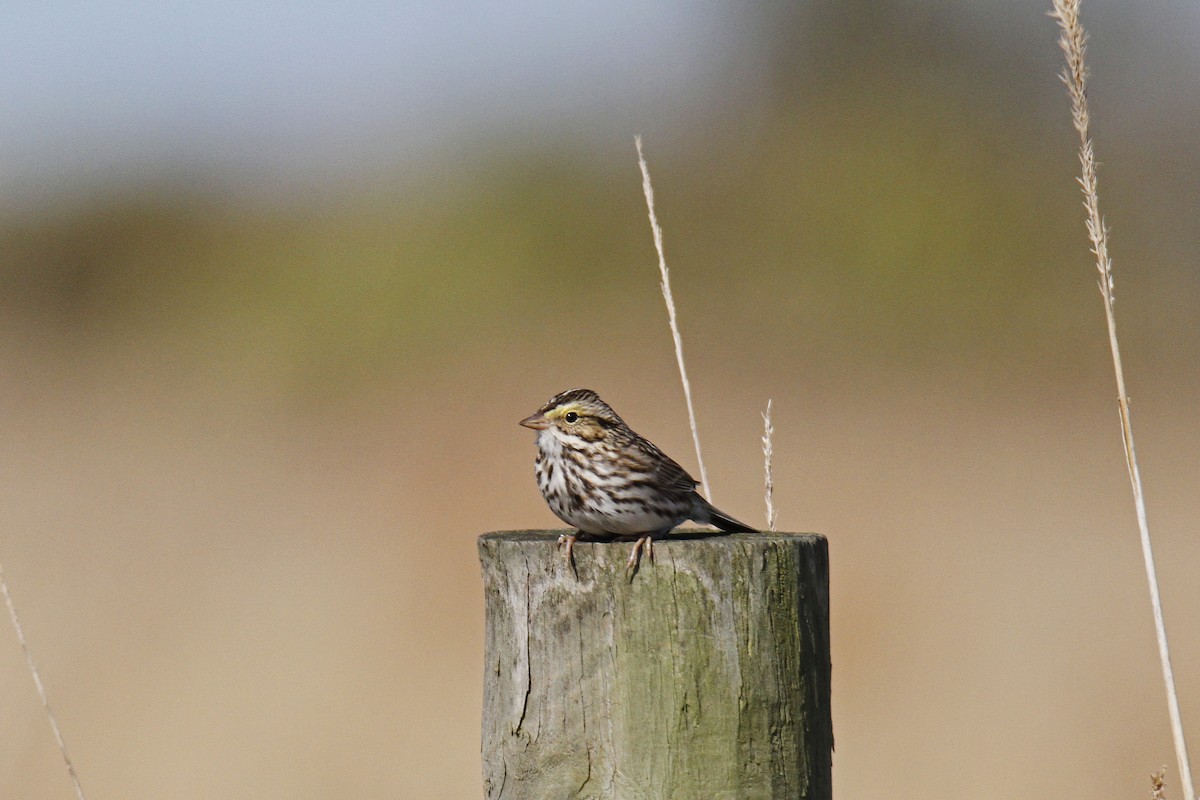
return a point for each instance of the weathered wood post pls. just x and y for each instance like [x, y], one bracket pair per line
[704, 677]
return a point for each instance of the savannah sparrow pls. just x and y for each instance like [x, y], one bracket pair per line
[601, 477]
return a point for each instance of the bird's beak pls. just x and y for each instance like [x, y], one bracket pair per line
[538, 422]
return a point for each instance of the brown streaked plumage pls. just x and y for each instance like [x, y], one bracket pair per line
[600, 476]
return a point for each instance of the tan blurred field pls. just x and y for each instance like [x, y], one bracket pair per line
[249, 442]
[234, 596]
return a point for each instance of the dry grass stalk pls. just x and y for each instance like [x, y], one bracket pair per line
[1073, 41]
[37, 681]
[648, 190]
[768, 452]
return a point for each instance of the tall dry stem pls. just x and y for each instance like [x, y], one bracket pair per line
[37, 681]
[1073, 41]
[648, 190]
[768, 452]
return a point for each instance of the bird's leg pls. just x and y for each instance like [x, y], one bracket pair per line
[568, 551]
[644, 543]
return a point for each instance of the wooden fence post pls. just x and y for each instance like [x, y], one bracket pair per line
[705, 677]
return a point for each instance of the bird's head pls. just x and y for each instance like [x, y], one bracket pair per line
[575, 412]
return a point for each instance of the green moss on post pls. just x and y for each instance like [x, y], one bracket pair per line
[706, 676]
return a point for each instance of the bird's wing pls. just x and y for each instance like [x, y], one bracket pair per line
[667, 473]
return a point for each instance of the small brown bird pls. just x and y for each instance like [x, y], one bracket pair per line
[600, 476]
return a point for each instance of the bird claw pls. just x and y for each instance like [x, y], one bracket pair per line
[645, 543]
[568, 539]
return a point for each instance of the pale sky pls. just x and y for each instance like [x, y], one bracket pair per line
[263, 88]
[93, 87]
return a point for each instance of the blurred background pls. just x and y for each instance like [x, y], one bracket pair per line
[280, 279]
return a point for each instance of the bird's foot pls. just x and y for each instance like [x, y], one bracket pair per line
[644, 543]
[566, 545]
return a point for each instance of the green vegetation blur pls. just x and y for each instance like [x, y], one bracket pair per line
[893, 189]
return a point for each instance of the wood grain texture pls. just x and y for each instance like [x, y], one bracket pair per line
[705, 676]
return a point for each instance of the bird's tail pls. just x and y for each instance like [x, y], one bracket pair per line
[723, 520]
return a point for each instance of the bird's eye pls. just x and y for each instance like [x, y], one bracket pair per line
[571, 416]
